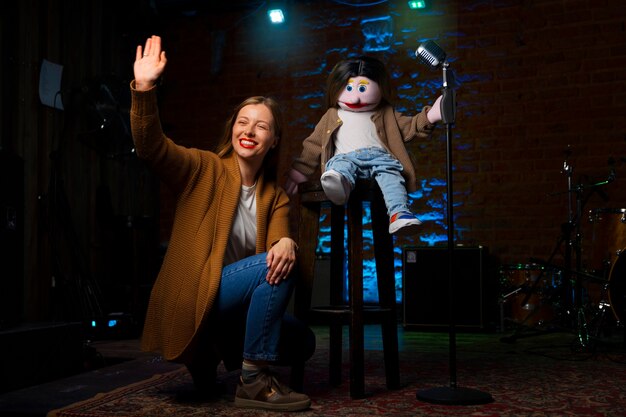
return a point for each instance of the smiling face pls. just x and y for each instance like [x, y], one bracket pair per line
[253, 133]
[360, 94]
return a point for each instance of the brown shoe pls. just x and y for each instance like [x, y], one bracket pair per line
[268, 394]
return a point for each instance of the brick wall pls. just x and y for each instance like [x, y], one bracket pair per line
[536, 78]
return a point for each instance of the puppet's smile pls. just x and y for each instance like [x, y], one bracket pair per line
[356, 105]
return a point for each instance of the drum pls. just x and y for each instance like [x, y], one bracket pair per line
[608, 237]
[517, 283]
[617, 287]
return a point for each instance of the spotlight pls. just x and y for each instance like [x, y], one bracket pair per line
[417, 4]
[276, 15]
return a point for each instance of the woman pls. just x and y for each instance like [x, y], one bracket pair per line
[230, 253]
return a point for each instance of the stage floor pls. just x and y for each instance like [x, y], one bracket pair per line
[127, 364]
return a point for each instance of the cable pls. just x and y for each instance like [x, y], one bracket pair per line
[259, 7]
[347, 3]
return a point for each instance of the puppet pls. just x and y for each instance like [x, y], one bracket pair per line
[362, 136]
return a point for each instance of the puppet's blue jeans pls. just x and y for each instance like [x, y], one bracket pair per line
[244, 294]
[374, 163]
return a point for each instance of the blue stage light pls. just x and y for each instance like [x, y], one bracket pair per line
[417, 4]
[276, 16]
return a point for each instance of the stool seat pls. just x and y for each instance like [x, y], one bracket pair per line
[355, 313]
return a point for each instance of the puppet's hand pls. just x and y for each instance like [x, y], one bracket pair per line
[294, 178]
[434, 114]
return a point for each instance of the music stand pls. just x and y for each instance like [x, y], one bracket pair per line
[452, 394]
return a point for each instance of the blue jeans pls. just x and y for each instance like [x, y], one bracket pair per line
[378, 164]
[245, 294]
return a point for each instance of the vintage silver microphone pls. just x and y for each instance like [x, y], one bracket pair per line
[429, 53]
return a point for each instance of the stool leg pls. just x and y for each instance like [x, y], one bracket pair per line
[307, 238]
[337, 214]
[383, 252]
[355, 274]
[335, 337]
[296, 378]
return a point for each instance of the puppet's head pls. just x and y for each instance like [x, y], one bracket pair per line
[358, 84]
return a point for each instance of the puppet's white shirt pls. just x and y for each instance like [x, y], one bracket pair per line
[356, 132]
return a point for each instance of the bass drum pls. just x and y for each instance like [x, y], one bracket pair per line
[608, 237]
[617, 287]
[533, 284]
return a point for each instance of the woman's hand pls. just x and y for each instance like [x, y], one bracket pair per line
[281, 259]
[149, 64]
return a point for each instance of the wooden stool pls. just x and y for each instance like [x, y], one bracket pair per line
[355, 314]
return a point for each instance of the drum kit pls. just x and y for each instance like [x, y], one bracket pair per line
[587, 292]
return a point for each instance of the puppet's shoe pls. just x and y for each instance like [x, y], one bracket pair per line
[404, 223]
[336, 187]
[266, 393]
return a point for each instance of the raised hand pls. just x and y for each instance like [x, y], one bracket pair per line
[149, 63]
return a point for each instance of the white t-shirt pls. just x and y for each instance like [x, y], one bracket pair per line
[242, 241]
[356, 132]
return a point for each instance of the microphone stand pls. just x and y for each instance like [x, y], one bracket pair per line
[452, 394]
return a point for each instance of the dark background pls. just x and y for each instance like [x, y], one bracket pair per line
[83, 224]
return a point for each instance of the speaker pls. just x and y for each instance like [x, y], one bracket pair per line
[426, 287]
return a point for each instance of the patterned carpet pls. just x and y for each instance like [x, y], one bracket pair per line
[547, 375]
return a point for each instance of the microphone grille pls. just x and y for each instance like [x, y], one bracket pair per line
[426, 58]
[430, 53]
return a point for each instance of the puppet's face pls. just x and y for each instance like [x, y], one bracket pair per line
[360, 94]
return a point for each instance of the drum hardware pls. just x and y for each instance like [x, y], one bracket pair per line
[608, 236]
[598, 317]
[530, 288]
[569, 298]
[617, 289]
[543, 307]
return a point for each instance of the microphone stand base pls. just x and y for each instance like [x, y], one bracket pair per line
[454, 396]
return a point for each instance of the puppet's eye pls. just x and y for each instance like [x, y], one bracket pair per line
[349, 87]
[362, 88]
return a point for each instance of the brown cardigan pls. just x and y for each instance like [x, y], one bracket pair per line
[207, 191]
[393, 130]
